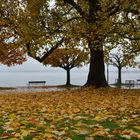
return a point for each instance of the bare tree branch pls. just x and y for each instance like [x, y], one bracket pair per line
[76, 7]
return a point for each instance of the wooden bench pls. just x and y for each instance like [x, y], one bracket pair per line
[36, 83]
[129, 82]
[138, 82]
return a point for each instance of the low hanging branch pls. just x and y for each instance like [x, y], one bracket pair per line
[46, 54]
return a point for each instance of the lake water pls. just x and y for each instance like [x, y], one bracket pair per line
[57, 77]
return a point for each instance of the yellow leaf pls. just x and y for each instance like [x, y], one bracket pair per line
[98, 118]
[48, 135]
[13, 139]
[76, 110]
[24, 132]
[138, 136]
[12, 116]
[137, 127]
[35, 139]
[17, 135]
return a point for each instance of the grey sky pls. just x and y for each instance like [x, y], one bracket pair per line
[30, 65]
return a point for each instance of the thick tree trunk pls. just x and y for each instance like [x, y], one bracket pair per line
[119, 76]
[96, 76]
[68, 77]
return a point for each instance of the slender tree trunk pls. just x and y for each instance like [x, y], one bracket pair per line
[119, 75]
[68, 77]
[96, 76]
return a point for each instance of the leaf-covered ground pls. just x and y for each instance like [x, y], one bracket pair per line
[84, 114]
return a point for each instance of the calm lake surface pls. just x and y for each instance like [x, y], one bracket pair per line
[57, 77]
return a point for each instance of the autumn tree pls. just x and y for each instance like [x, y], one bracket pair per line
[10, 51]
[11, 56]
[92, 22]
[120, 60]
[121, 52]
[67, 59]
[45, 26]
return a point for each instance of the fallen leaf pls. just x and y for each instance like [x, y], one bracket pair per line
[137, 127]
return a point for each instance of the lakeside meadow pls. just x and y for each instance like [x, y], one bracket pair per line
[80, 114]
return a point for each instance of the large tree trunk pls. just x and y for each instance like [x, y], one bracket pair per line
[119, 76]
[68, 77]
[96, 76]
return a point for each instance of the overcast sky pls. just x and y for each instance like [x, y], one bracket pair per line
[29, 65]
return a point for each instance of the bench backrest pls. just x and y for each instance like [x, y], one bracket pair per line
[36, 83]
[129, 81]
